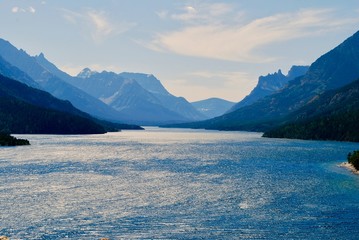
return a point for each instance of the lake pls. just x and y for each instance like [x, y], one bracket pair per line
[177, 184]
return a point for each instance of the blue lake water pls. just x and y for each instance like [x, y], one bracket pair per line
[177, 184]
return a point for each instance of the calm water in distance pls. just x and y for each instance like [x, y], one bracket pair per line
[177, 184]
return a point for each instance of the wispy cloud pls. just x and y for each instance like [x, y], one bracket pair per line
[96, 24]
[162, 14]
[102, 26]
[190, 13]
[238, 41]
[17, 9]
[202, 13]
[32, 10]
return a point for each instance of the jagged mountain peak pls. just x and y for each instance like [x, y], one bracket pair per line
[213, 107]
[86, 73]
[272, 81]
[269, 84]
[296, 71]
[41, 56]
[147, 81]
[331, 71]
[279, 72]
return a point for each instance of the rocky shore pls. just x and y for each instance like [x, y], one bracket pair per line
[348, 166]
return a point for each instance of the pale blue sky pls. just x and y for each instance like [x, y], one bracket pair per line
[198, 49]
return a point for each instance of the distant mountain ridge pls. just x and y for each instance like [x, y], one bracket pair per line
[270, 84]
[126, 96]
[213, 107]
[333, 70]
[178, 105]
[53, 84]
[41, 99]
[26, 110]
[139, 98]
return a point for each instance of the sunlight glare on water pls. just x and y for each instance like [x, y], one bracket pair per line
[170, 183]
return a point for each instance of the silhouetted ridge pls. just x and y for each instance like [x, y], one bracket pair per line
[333, 70]
[270, 84]
[25, 110]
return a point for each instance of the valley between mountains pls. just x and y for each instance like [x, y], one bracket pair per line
[319, 101]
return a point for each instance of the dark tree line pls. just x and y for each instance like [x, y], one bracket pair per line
[7, 140]
[353, 158]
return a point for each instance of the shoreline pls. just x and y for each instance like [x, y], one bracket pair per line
[349, 167]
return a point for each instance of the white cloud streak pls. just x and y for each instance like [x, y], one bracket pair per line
[220, 39]
[102, 27]
[32, 10]
[202, 13]
[96, 24]
[17, 9]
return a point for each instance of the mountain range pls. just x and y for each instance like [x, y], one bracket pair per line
[57, 87]
[138, 98]
[335, 69]
[315, 102]
[125, 97]
[28, 110]
[21, 102]
[213, 107]
[270, 84]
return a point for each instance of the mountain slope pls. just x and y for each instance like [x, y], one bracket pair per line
[158, 105]
[51, 83]
[27, 110]
[270, 84]
[13, 88]
[44, 99]
[6, 69]
[333, 70]
[127, 96]
[213, 107]
[178, 105]
[19, 117]
[333, 115]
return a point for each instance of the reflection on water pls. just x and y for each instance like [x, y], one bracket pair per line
[162, 183]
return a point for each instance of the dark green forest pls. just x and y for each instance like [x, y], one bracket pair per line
[19, 117]
[343, 126]
[24, 109]
[7, 140]
[353, 158]
[333, 115]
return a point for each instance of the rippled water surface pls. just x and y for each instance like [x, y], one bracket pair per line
[177, 184]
